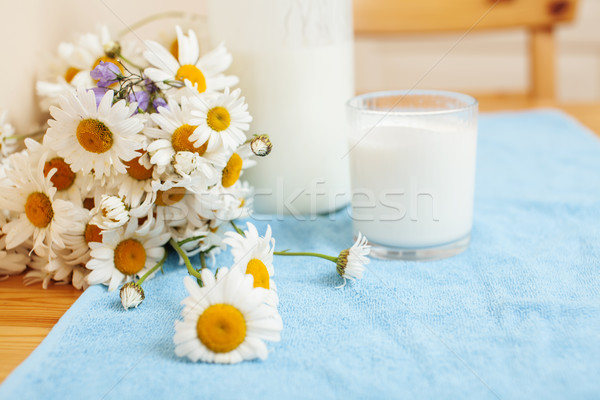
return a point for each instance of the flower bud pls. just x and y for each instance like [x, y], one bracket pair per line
[261, 145]
[131, 295]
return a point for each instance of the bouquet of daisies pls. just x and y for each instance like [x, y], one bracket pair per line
[141, 149]
[144, 150]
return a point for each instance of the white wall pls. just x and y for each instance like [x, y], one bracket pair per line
[483, 61]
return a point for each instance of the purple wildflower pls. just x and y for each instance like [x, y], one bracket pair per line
[141, 98]
[106, 73]
[159, 102]
[150, 85]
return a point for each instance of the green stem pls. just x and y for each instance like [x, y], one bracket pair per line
[203, 260]
[190, 239]
[323, 256]
[155, 17]
[186, 260]
[238, 230]
[151, 270]
[19, 137]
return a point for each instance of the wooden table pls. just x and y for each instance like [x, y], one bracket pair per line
[27, 313]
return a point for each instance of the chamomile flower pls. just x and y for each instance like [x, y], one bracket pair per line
[111, 213]
[136, 185]
[175, 134]
[71, 66]
[225, 321]
[126, 253]
[222, 205]
[177, 207]
[69, 185]
[64, 271]
[253, 254]
[239, 160]
[351, 262]
[38, 272]
[204, 73]
[42, 217]
[94, 139]
[8, 143]
[221, 120]
[12, 262]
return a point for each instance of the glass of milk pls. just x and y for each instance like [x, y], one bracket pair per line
[412, 161]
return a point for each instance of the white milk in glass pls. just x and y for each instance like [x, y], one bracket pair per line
[295, 64]
[413, 182]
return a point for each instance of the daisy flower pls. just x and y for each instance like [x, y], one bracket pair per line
[253, 254]
[12, 262]
[136, 185]
[204, 73]
[73, 63]
[178, 206]
[126, 253]
[38, 272]
[194, 171]
[66, 272]
[220, 204]
[351, 262]
[225, 321]
[31, 195]
[94, 139]
[176, 133]
[111, 213]
[69, 185]
[221, 119]
[8, 143]
[238, 161]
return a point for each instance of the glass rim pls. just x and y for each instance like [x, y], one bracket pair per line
[469, 101]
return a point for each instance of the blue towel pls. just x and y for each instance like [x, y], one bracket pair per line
[516, 316]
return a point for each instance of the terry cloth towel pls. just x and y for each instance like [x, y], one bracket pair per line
[516, 316]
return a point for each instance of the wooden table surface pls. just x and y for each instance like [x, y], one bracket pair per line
[27, 313]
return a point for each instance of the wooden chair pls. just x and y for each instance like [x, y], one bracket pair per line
[387, 17]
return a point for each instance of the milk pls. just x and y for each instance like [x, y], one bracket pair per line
[295, 64]
[413, 183]
[298, 97]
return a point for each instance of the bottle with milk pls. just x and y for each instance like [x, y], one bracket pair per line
[295, 62]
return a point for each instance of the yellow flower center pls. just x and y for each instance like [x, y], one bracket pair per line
[130, 257]
[94, 136]
[192, 74]
[70, 74]
[180, 140]
[221, 328]
[174, 48]
[232, 171]
[169, 197]
[38, 209]
[137, 170]
[89, 203]
[64, 177]
[218, 118]
[259, 271]
[92, 234]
